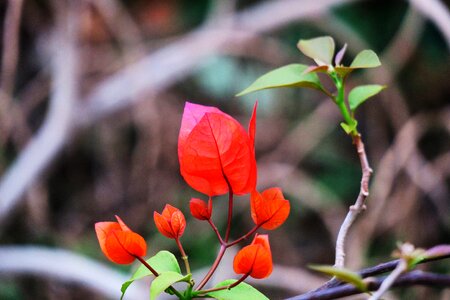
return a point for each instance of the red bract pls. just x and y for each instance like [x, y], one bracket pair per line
[118, 242]
[269, 209]
[171, 223]
[215, 152]
[200, 210]
[255, 259]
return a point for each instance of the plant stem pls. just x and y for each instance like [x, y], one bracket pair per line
[409, 279]
[183, 256]
[230, 213]
[213, 267]
[359, 205]
[223, 243]
[227, 287]
[389, 281]
[244, 236]
[216, 231]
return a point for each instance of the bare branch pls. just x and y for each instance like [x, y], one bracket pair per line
[359, 205]
[410, 279]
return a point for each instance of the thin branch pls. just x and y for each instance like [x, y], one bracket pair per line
[383, 268]
[387, 283]
[410, 279]
[359, 205]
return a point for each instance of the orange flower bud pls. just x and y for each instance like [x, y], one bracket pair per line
[171, 223]
[118, 242]
[255, 259]
[200, 210]
[269, 208]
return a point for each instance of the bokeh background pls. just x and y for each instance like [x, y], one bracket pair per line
[92, 93]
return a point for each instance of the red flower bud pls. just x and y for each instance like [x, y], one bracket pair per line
[200, 210]
[269, 208]
[171, 223]
[118, 242]
[255, 259]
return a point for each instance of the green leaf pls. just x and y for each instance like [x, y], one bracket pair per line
[361, 93]
[164, 280]
[163, 261]
[365, 59]
[243, 291]
[342, 274]
[288, 76]
[320, 49]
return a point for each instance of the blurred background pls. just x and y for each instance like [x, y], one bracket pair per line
[92, 93]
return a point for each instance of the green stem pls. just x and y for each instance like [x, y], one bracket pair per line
[183, 256]
[340, 102]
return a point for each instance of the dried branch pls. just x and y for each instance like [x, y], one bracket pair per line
[359, 205]
[410, 279]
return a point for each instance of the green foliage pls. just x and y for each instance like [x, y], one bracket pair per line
[321, 49]
[361, 93]
[288, 76]
[163, 261]
[164, 281]
[342, 274]
[243, 291]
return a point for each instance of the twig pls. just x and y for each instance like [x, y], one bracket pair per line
[410, 279]
[359, 205]
[381, 269]
[402, 267]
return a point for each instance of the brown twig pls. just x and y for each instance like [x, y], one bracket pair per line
[359, 205]
[410, 279]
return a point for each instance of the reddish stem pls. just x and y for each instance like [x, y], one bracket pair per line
[147, 265]
[213, 267]
[214, 227]
[244, 236]
[230, 213]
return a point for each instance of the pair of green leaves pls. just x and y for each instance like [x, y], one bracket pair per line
[169, 271]
[321, 50]
[166, 264]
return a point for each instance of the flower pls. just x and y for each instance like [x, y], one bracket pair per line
[118, 242]
[256, 259]
[200, 210]
[171, 223]
[269, 209]
[215, 152]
